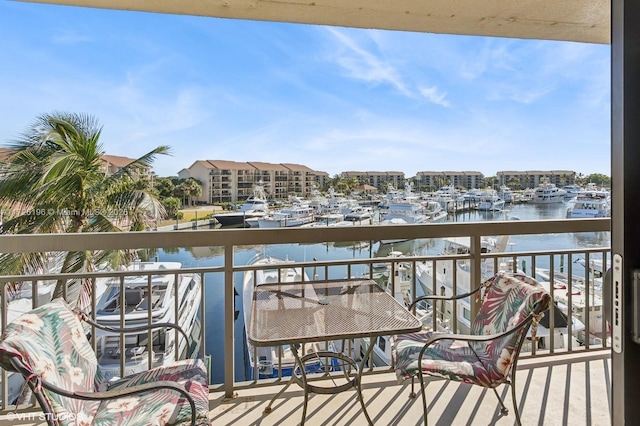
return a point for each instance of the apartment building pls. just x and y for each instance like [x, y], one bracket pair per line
[430, 180]
[232, 181]
[114, 163]
[379, 180]
[532, 178]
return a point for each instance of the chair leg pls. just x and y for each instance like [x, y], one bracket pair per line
[424, 396]
[515, 403]
[504, 411]
[413, 391]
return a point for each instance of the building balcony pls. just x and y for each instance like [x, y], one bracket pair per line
[565, 380]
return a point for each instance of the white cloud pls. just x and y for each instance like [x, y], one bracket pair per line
[432, 94]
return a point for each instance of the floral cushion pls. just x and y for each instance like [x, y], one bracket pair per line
[51, 342]
[507, 301]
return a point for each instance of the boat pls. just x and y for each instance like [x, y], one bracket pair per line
[572, 191]
[444, 274]
[275, 361]
[151, 291]
[586, 298]
[434, 211]
[588, 206]
[359, 215]
[296, 215]
[399, 282]
[547, 192]
[254, 207]
[506, 194]
[489, 200]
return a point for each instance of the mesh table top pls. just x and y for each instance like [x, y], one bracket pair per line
[325, 310]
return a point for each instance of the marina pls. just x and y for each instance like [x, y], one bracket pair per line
[200, 257]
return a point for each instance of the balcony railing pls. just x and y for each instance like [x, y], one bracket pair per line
[579, 288]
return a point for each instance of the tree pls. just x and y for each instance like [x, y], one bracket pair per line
[55, 181]
[191, 188]
[171, 206]
[164, 186]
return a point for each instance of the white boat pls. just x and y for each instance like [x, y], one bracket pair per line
[254, 207]
[149, 295]
[587, 206]
[359, 215]
[404, 213]
[490, 201]
[444, 274]
[296, 215]
[506, 194]
[586, 298]
[547, 193]
[274, 361]
[434, 211]
[397, 280]
[572, 190]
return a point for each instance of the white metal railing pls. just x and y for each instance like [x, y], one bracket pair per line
[231, 241]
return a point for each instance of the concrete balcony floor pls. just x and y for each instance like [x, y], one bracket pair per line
[557, 390]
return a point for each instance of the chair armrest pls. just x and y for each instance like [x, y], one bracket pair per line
[475, 338]
[84, 317]
[119, 393]
[436, 297]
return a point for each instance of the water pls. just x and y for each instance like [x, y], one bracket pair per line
[214, 309]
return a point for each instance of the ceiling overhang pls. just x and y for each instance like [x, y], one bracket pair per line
[570, 20]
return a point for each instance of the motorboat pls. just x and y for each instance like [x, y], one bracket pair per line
[588, 205]
[547, 193]
[359, 215]
[434, 211]
[572, 191]
[254, 207]
[489, 200]
[442, 279]
[296, 215]
[275, 361]
[397, 280]
[585, 298]
[151, 291]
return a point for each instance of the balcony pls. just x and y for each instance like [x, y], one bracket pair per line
[558, 382]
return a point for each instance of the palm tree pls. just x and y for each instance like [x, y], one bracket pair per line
[55, 181]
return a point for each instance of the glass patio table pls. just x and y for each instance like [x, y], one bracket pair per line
[316, 311]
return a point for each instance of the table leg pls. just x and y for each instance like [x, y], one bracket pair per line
[268, 408]
[363, 362]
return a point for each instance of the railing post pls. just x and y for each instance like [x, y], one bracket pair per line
[229, 367]
[475, 278]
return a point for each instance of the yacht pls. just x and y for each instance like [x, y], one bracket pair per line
[445, 274]
[151, 292]
[547, 193]
[585, 297]
[572, 191]
[254, 207]
[275, 361]
[434, 211]
[587, 206]
[490, 201]
[296, 215]
[397, 280]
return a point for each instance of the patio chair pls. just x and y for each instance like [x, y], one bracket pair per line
[487, 357]
[49, 347]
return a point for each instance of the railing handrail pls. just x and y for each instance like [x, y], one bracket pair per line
[229, 239]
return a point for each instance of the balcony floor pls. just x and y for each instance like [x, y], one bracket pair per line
[559, 390]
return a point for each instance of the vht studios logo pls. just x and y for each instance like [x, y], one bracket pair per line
[48, 417]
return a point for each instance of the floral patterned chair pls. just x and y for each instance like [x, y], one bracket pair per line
[49, 347]
[487, 357]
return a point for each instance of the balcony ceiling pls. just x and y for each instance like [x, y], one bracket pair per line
[571, 20]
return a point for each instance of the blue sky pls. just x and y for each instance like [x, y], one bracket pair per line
[331, 98]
